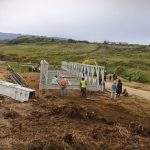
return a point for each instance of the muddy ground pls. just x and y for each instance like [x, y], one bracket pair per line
[49, 122]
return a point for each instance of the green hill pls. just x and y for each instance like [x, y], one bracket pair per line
[126, 60]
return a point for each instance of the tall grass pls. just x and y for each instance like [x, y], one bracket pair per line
[127, 60]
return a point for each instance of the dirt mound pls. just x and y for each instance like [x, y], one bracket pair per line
[77, 112]
[36, 114]
[137, 128]
[10, 114]
[73, 112]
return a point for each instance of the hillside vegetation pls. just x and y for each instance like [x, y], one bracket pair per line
[126, 60]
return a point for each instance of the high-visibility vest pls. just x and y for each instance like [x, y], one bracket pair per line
[83, 84]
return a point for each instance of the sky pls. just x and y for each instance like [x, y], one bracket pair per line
[92, 20]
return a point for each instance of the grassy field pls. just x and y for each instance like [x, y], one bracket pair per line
[126, 60]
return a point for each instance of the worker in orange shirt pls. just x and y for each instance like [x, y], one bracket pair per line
[63, 84]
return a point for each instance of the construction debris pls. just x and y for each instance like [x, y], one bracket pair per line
[17, 78]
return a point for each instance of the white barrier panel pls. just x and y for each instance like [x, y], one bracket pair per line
[16, 91]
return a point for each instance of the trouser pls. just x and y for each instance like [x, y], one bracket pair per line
[83, 91]
[63, 92]
[113, 95]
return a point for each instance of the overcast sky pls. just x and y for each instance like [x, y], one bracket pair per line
[93, 20]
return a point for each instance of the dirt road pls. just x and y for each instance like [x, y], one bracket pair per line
[132, 91]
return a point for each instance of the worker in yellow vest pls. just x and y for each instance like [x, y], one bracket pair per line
[83, 87]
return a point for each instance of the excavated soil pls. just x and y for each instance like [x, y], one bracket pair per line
[49, 122]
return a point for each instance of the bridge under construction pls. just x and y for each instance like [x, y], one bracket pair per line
[73, 72]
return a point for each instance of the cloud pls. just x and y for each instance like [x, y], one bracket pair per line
[123, 20]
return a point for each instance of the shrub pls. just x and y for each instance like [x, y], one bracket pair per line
[139, 76]
[120, 70]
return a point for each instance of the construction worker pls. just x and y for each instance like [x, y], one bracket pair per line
[125, 93]
[83, 87]
[63, 84]
[55, 80]
[113, 90]
[119, 87]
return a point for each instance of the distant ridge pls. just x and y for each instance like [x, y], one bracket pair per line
[11, 36]
[5, 36]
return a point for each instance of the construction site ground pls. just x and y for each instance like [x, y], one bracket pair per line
[50, 122]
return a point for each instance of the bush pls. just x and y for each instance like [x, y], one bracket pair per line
[138, 76]
[120, 70]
